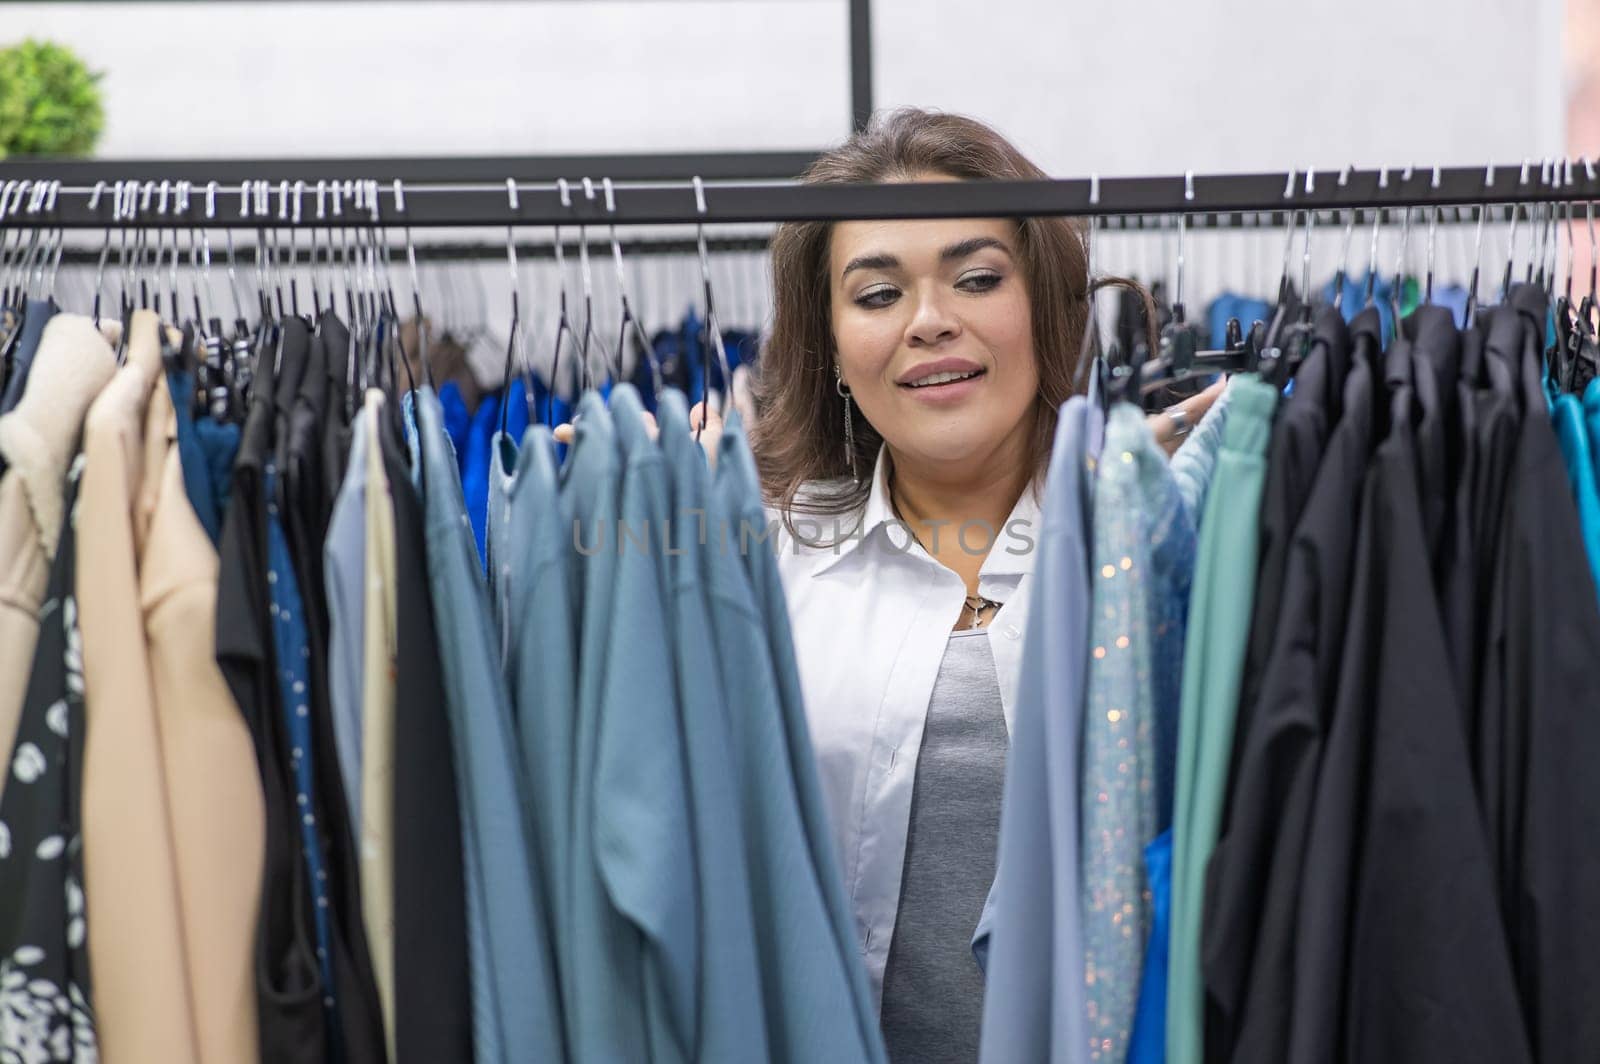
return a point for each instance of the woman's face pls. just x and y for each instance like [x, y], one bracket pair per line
[932, 325]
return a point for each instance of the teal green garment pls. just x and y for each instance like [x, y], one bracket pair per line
[643, 838]
[1219, 627]
[1591, 417]
[732, 1024]
[814, 990]
[601, 989]
[516, 1009]
[541, 666]
[1578, 453]
[1141, 568]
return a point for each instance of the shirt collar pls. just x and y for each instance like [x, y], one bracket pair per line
[1011, 553]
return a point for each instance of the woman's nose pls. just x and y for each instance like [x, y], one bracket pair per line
[932, 323]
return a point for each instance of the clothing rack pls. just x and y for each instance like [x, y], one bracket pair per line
[84, 195]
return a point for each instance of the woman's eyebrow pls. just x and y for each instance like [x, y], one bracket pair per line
[959, 250]
[879, 261]
[966, 247]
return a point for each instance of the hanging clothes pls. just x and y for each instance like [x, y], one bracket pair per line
[37, 438]
[1212, 667]
[1033, 1007]
[516, 1013]
[43, 916]
[1142, 563]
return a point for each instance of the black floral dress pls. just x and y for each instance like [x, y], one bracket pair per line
[45, 1010]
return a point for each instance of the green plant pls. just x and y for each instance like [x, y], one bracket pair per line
[49, 101]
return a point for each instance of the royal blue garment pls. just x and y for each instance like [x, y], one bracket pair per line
[1355, 298]
[1033, 1008]
[516, 1012]
[292, 648]
[475, 460]
[197, 476]
[1149, 1042]
[1231, 305]
[1573, 434]
[457, 419]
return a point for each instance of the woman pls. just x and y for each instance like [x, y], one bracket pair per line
[907, 402]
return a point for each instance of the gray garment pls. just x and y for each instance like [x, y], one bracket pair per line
[344, 562]
[932, 986]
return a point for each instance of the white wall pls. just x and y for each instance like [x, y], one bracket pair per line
[1112, 86]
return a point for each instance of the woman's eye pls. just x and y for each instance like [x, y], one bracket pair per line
[877, 297]
[979, 282]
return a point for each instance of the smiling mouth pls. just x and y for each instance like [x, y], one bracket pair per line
[934, 380]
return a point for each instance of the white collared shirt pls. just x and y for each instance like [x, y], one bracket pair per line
[871, 617]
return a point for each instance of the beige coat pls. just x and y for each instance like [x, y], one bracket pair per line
[172, 807]
[213, 780]
[38, 440]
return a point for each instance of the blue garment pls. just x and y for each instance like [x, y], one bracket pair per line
[1231, 305]
[1355, 298]
[219, 442]
[733, 1026]
[1034, 1007]
[1142, 566]
[1453, 298]
[477, 457]
[541, 666]
[817, 1002]
[292, 648]
[1578, 453]
[1149, 1044]
[516, 1010]
[36, 315]
[605, 1015]
[344, 570]
[457, 419]
[498, 548]
[474, 459]
[192, 457]
[642, 820]
[1591, 417]
[408, 423]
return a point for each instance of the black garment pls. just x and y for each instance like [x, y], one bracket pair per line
[288, 984]
[1253, 881]
[306, 506]
[1397, 868]
[44, 961]
[1549, 734]
[1299, 437]
[336, 433]
[432, 996]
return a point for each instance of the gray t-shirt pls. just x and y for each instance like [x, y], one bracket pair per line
[932, 986]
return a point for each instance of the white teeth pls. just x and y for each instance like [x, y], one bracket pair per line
[942, 378]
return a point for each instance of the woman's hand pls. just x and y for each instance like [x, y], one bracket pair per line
[708, 438]
[1171, 425]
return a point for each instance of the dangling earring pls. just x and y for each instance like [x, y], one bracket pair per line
[849, 426]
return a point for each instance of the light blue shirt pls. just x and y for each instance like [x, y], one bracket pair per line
[642, 828]
[344, 557]
[605, 1018]
[815, 993]
[1032, 928]
[516, 1010]
[732, 1023]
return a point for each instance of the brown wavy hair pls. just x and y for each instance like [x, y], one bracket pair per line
[798, 435]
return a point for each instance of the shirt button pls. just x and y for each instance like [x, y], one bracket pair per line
[1012, 631]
